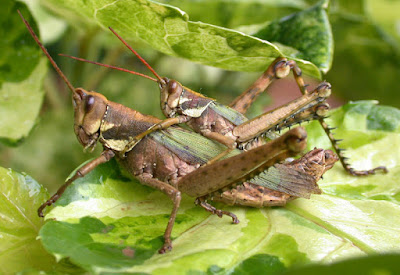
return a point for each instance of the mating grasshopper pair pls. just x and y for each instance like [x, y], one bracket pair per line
[228, 125]
[167, 161]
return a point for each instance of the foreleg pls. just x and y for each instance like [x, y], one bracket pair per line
[83, 171]
[159, 126]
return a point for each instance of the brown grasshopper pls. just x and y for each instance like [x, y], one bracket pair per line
[227, 125]
[158, 162]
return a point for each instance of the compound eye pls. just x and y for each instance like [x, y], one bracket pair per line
[89, 103]
[328, 155]
[173, 86]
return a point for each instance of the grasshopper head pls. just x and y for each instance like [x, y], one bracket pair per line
[330, 158]
[89, 108]
[317, 162]
[326, 158]
[171, 91]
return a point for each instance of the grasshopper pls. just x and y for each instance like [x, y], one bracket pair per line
[227, 125]
[166, 162]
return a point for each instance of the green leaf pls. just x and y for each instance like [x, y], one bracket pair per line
[375, 264]
[21, 251]
[367, 58]
[108, 223]
[21, 74]
[270, 265]
[169, 30]
[15, 48]
[19, 223]
[236, 13]
[308, 31]
[20, 103]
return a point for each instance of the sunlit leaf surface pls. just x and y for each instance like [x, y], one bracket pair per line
[20, 195]
[170, 30]
[21, 73]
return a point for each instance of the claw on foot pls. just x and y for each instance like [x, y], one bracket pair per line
[47, 203]
[165, 248]
[208, 207]
[40, 212]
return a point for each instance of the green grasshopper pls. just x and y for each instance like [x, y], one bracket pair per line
[167, 161]
[227, 125]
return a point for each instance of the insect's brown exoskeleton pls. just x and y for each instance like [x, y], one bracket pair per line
[228, 125]
[163, 161]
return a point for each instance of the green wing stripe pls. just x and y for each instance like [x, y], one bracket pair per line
[287, 180]
[190, 146]
[230, 114]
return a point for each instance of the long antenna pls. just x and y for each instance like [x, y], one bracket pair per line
[47, 53]
[109, 66]
[138, 56]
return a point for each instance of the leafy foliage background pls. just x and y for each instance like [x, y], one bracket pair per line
[363, 65]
